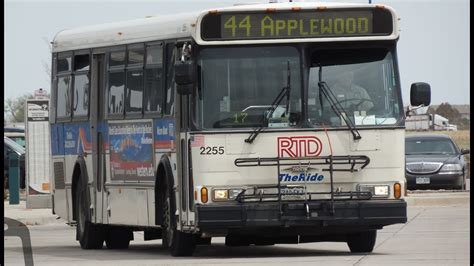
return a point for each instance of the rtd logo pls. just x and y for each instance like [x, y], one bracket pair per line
[304, 146]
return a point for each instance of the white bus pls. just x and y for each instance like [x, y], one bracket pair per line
[234, 123]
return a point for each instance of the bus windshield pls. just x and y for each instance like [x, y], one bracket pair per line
[239, 84]
[363, 82]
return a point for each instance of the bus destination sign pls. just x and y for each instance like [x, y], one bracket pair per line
[303, 24]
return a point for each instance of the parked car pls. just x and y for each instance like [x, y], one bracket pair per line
[434, 161]
[9, 147]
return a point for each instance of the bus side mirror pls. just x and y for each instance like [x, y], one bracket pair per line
[420, 94]
[184, 76]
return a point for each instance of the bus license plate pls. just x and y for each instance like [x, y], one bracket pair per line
[292, 193]
[422, 180]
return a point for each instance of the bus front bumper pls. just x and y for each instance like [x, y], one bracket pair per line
[372, 214]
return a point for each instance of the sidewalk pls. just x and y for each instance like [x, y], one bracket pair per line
[45, 216]
[30, 216]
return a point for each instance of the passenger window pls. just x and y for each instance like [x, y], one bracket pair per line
[81, 62]
[81, 95]
[153, 89]
[116, 86]
[136, 55]
[170, 59]
[134, 91]
[64, 64]
[154, 54]
[63, 97]
[154, 79]
[117, 59]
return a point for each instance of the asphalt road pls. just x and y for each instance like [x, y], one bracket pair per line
[434, 235]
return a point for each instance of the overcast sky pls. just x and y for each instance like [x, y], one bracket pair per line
[433, 45]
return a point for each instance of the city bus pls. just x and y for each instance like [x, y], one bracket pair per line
[231, 122]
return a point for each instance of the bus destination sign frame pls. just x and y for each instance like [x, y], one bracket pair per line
[333, 23]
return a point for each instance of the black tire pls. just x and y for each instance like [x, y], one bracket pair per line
[236, 241]
[90, 236]
[362, 241]
[178, 243]
[118, 238]
[203, 241]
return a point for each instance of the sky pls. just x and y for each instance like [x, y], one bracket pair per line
[433, 46]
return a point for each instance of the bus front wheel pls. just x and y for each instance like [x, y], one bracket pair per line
[90, 236]
[179, 243]
[362, 241]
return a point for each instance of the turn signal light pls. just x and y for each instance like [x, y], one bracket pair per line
[204, 196]
[397, 190]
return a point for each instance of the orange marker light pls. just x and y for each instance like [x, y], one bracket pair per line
[295, 8]
[204, 196]
[270, 10]
[397, 190]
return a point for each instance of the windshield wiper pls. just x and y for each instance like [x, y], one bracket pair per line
[336, 105]
[285, 91]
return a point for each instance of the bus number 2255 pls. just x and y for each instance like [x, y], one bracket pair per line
[212, 150]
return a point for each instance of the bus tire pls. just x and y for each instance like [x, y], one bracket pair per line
[362, 241]
[90, 236]
[178, 243]
[203, 241]
[118, 238]
[236, 241]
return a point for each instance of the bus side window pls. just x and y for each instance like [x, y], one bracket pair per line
[116, 86]
[153, 98]
[62, 93]
[170, 59]
[116, 82]
[80, 96]
[63, 103]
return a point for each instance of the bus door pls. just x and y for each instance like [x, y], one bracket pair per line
[97, 132]
[185, 179]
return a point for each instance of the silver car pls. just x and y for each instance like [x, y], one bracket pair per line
[433, 161]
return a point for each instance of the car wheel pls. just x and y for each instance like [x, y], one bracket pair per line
[90, 236]
[362, 241]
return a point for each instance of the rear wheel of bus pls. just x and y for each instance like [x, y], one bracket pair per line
[362, 241]
[179, 243]
[90, 236]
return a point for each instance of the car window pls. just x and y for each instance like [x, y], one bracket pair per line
[429, 146]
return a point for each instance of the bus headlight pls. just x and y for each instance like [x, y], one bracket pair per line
[220, 194]
[225, 194]
[376, 190]
[381, 191]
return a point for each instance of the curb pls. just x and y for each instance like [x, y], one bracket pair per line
[438, 199]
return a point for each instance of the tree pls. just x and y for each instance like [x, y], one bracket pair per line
[446, 110]
[15, 108]
[453, 115]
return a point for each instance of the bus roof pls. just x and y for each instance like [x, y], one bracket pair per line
[162, 27]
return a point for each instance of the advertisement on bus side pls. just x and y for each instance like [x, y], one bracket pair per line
[131, 150]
